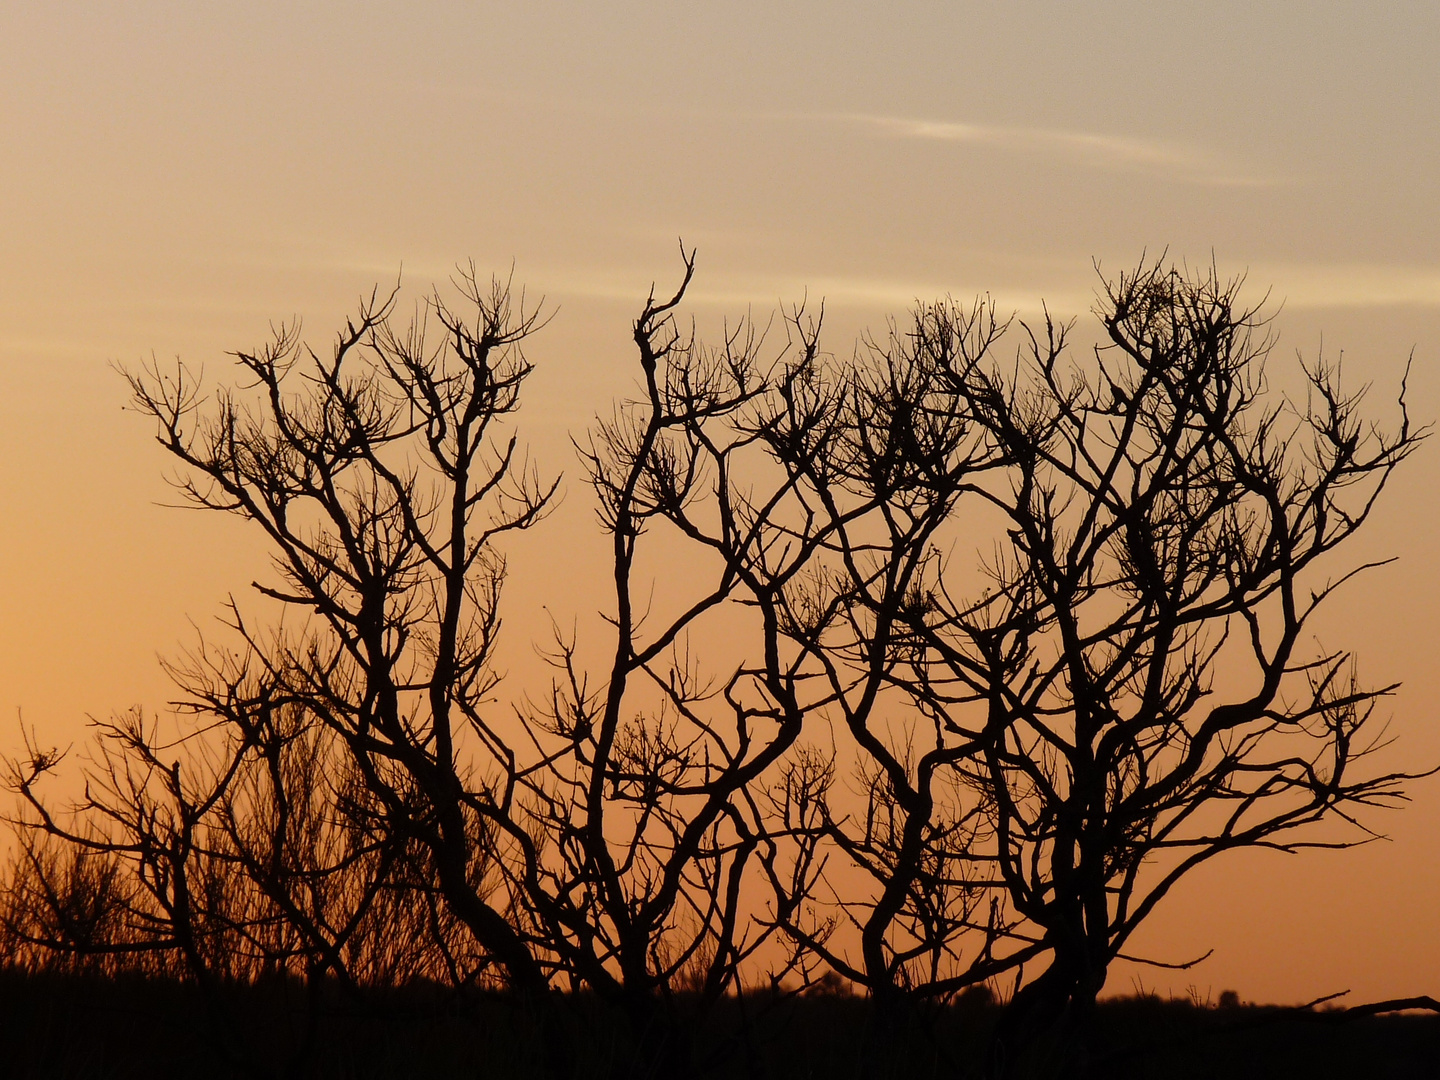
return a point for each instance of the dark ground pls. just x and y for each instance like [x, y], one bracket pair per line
[68, 1028]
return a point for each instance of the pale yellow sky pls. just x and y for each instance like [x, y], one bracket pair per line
[173, 176]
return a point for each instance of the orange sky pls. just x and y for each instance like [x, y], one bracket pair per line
[174, 176]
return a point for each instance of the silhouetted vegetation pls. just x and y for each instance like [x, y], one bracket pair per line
[896, 780]
[61, 1027]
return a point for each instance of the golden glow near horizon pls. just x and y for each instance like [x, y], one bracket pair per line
[175, 176]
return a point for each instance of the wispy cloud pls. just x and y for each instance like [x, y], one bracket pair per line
[1344, 285]
[890, 296]
[736, 291]
[1171, 160]
[1296, 287]
[1065, 286]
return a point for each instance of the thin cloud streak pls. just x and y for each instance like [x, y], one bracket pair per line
[1349, 285]
[1295, 285]
[1172, 160]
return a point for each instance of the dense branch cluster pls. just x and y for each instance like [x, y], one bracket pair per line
[924, 772]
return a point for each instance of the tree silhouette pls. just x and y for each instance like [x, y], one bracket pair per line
[1134, 678]
[1124, 693]
[909, 771]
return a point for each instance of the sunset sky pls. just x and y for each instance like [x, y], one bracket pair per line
[174, 177]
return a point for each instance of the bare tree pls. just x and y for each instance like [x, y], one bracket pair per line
[602, 837]
[891, 449]
[376, 476]
[316, 816]
[1044, 748]
[1136, 672]
[671, 818]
